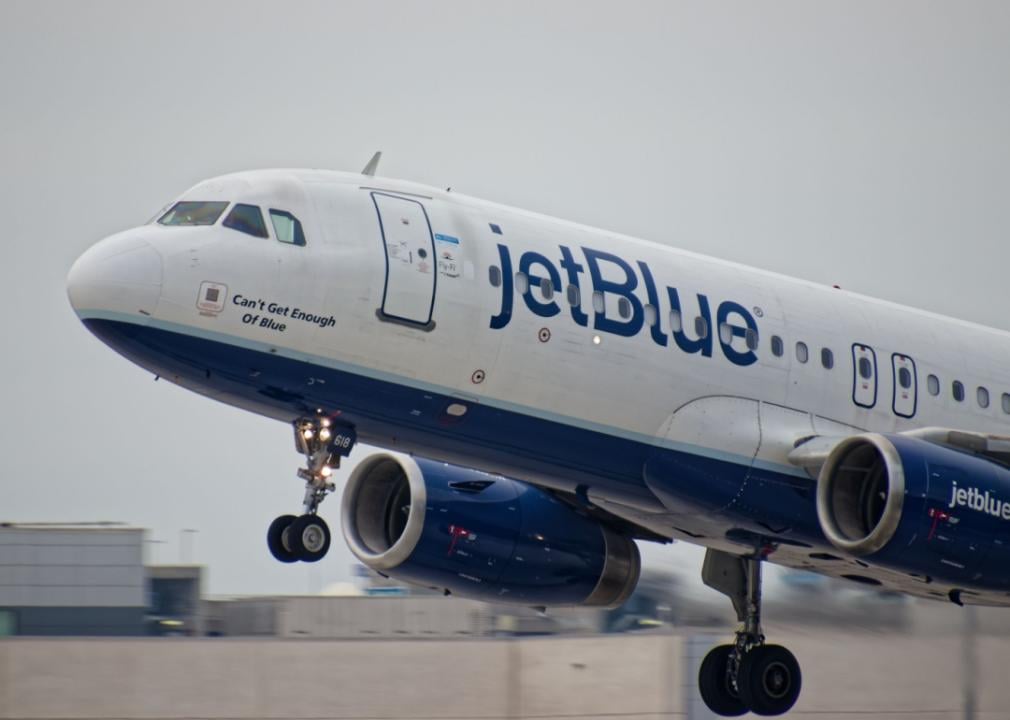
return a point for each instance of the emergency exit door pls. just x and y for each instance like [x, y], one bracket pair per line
[864, 375]
[411, 265]
[906, 385]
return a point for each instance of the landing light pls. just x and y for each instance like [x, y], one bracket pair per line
[307, 434]
[326, 471]
[324, 434]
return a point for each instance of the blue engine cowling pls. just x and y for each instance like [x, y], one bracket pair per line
[482, 536]
[918, 507]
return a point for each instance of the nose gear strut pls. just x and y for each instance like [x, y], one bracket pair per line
[323, 443]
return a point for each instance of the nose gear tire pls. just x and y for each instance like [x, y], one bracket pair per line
[309, 538]
[275, 539]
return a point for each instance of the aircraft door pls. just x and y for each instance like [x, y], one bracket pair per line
[864, 376]
[411, 264]
[906, 385]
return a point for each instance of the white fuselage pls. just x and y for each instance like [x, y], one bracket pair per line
[359, 298]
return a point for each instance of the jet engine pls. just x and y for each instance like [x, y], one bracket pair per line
[916, 506]
[482, 536]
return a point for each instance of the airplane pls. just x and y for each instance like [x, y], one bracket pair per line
[545, 395]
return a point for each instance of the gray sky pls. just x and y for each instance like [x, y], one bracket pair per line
[859, 143]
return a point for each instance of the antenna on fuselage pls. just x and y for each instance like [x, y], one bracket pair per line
[372, 164]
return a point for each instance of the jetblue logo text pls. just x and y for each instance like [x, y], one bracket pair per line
[602, 268]
[979, 501]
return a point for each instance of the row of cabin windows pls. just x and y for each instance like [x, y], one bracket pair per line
[957, 391]
[701, 330]
[865, 369]
[651, 315]
[778, 348]
[905, 379]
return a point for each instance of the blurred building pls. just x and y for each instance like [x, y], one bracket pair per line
[377, 607]
[90, 579]
[71, 580]
[174, 600]
[343, 618]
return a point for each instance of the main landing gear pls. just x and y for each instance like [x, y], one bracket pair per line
[747, 675]
[307, 537]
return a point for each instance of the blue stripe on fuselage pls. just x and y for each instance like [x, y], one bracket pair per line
[411, 417]
[316, 361]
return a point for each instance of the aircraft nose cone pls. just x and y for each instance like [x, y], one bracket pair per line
[120, 275]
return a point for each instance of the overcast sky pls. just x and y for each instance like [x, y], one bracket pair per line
[858, 143]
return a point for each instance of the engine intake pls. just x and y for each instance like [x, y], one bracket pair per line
[860, 494]
[383, 511]
[482, 536]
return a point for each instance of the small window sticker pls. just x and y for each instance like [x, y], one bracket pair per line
[448, 265]
[210, 301]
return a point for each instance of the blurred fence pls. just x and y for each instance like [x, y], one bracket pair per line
[630, 676]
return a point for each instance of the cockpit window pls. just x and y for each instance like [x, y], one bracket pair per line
[287, 227]
[193, 212]
[247, 219]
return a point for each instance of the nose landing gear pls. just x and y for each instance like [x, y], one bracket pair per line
[292, 538]
[747, 675]
[307, 537]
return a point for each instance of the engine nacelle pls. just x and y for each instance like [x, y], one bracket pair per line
[482, 536]
[918, 507]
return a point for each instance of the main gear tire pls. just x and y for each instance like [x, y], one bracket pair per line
[769, 680]
[714, 683]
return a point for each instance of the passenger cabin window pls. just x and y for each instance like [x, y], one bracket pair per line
[751, 338]
[701, 327]
[547, 289]
[494, 275]
[827, 358]
[522, 283]
[725, 333]
[1006, 403]
[287, 227]
[865, 368]
[957, 390]
[802, 352]
[982, 395]
[624, 307]
[778, 347]
[191, 212]
[933, 385]
[904, 378]
[247, 219]
[651, 315]
[676, 321]
[599, 305]
[574, 296]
